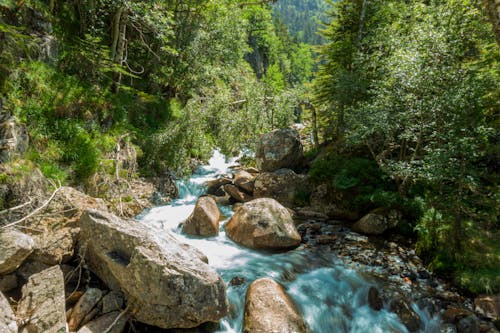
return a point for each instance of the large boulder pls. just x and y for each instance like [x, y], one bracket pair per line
[204, 221]
[15, 247]
[377, 222]
[263, 224]
[42, 306]
[283, 185]
[8, 322]
[269, 309]
[167, 284]
[56, 235]
[279, 149]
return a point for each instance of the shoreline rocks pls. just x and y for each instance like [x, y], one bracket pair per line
[263, 224]
[279, 149]
[42, 306]
[268, 308]
[172, 286]
[15, 247]
[204, 221]
[8, 322]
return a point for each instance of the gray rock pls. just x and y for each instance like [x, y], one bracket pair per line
[468, 324]
[8, 282]
[236, 194]
[42, 306]
[406, 314]
[84, 305]
[204, 221]
[54, 247]
[263, 224]
[101, 324]
[167, 284]
[215, 187]
[112, 301]
[377, 222]
[15, 247]
[14, 139]
[279, 149]
[269, 309]
[283, 185]
[8, 322]
[244, 181]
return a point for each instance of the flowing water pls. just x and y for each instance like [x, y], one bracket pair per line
[331, 297]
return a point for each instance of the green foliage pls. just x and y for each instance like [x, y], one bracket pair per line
[360, 179]
[303, 18]
[416, 84]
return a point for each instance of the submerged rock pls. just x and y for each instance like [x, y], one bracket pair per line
[263, 224]
[279, 149]
[42, 306]
[204, 221]
[269, 309]
[406, 314]
[15, 247]
[167, 284]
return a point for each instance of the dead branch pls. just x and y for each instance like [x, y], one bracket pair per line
[16, 207]
[36, 211]
[110, 327]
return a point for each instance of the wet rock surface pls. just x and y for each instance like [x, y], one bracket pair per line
[204, 221]
[403, 277]
[269, 309]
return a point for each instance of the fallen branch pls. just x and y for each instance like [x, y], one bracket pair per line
[16, 207]
[36, 210]
[117, 319]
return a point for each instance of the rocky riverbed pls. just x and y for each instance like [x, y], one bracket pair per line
[245, 256]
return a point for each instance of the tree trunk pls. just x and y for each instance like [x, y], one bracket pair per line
[118, 47]
[315, 125]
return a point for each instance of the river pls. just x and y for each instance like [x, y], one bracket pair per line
[331, 296]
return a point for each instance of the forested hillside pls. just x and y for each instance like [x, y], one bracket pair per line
[303, 18]
[399, 119]
[414, 88]
[176, 78]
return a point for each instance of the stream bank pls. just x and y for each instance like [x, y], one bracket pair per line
[339, 280]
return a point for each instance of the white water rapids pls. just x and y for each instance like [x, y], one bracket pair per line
[332, 298]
